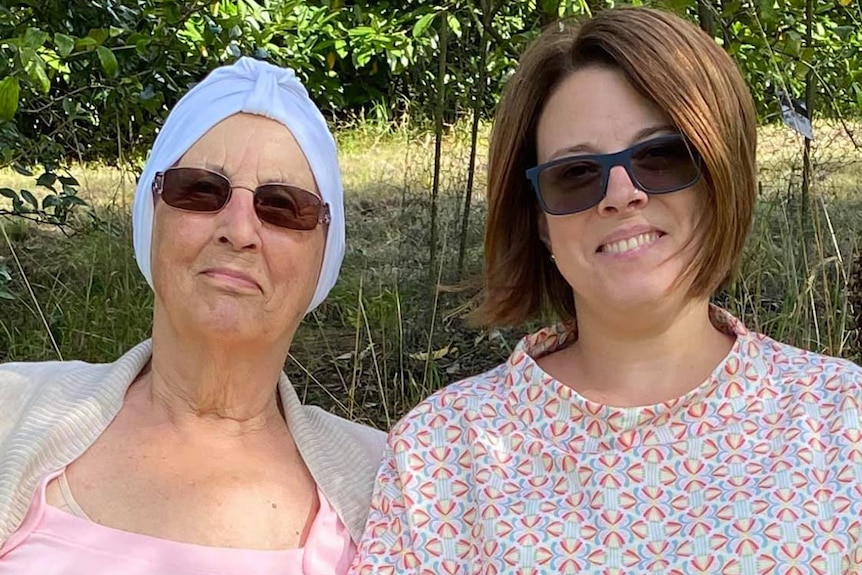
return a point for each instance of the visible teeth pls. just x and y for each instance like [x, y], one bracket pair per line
[623, 246]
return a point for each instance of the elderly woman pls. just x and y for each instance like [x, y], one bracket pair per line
[648, 432]
[192, 452]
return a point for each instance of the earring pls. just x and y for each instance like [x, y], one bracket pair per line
[553, 258]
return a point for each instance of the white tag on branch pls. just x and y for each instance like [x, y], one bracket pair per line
[795, 117]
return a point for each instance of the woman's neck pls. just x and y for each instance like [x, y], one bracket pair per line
[634, 359]
[206, 378]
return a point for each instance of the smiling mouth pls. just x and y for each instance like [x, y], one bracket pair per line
[630, 244]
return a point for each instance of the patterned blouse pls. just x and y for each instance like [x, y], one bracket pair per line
[757, 470]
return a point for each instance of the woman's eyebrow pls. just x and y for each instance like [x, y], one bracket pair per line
[215, 167]
[647, 132]
[587, 148]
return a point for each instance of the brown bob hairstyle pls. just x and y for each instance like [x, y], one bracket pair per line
[687, 75]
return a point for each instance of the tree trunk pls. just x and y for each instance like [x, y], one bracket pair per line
[805, 199]
[487, 14]
[705, 17]
[438, 146]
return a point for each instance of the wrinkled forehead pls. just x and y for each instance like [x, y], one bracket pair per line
[250, 150]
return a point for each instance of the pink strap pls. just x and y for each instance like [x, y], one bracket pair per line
[31, 520]
[329, 548]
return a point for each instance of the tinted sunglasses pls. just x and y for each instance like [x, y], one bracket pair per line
[202, 190]
[577, 183]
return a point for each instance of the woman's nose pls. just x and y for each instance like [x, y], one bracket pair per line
[239, 225]
[621, 193]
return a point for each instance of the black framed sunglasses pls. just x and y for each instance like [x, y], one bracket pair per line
[577, 183]
[202, 190]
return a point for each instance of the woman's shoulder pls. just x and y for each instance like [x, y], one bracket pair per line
[790, 362]
[24, 384]
[51, 386]
[460, 403]
[365, 437]
[18, 380]
[807, 374]
[784, 364]
[34, 371]
[343, 457]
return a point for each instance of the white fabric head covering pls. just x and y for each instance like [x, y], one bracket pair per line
[253, 87]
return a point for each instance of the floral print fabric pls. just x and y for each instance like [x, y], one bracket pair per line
[757, 470]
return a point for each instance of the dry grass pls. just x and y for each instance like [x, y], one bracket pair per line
[836, 158]
[384, 339]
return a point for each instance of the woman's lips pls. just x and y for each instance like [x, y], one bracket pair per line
[232, 277]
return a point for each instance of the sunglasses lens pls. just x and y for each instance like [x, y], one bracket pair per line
[287, 206]
[665, 166]
[195, 190]
[571, 186]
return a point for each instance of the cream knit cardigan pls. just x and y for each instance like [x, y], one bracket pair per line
[51, 412]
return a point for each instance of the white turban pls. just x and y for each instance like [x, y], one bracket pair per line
[253, 87]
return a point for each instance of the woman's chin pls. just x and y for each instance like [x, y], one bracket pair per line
[226, 324]
[633, 296]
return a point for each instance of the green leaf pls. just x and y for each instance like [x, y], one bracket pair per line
[730, 9]
[423, 23]
[46, 180]
[35, 67]
[844, 32]
[793, 42]
[142, 46]
[51, 200]
[22, 169]
[454, 25]
[360, 31]
[30, 198]
[99, 35]
[8, 193]
[68, 181]
[64, 43]
[9, 91]
[35, 38]
[768, 13]
[108, 60]
[85, 43]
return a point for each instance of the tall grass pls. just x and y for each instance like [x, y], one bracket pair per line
[383, 340]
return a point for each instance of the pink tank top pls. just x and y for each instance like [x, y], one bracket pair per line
[51, 541]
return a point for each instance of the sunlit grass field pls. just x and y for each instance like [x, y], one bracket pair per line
[386, 337]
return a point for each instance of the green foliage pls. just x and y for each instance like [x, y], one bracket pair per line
[100, 77]
[83, 80]
[768, 40]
